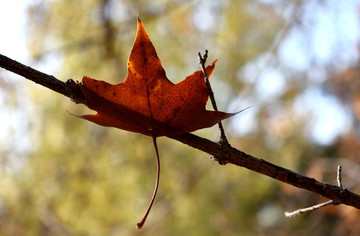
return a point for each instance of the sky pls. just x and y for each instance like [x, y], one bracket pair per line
[12, 21]
[340, 18]
[328, 35]
[15, 140]
[334, 37]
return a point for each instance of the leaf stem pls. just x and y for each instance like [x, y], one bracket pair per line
[202, 61]
[141, 223]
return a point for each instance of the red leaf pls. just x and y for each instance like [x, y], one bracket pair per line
[147, 102]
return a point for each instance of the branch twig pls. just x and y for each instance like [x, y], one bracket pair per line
[318, 206]
[223, 156]
[69, 88]
[202, 61]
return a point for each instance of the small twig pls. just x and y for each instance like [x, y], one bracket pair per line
[318, 206]
[202, 61]
[303, 210]
[339, 179]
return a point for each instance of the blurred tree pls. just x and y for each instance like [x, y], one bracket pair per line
[82, 179]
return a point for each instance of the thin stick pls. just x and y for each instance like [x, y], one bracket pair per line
[202, 61]
[312, 208]
[141, 223]
[68, 88]
[318, 206]
[339, 179]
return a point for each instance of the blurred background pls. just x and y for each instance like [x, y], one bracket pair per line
[296, 63]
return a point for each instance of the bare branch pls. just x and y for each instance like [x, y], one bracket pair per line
[312, 208]
[339, 179]
[202, 61]
[69, 88]
[221, 155]
[324, 204]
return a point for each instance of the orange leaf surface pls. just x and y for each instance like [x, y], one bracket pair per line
[147, 102]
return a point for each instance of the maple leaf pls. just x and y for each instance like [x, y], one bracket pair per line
[147, 102]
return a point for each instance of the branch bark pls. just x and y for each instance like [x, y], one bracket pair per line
[69, 88]
[222, 154]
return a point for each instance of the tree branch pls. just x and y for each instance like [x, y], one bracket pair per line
[220, 154]
[69, 88]
[318, 206]
[202, 62]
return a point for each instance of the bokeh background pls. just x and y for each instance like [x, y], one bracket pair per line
[296, 63]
